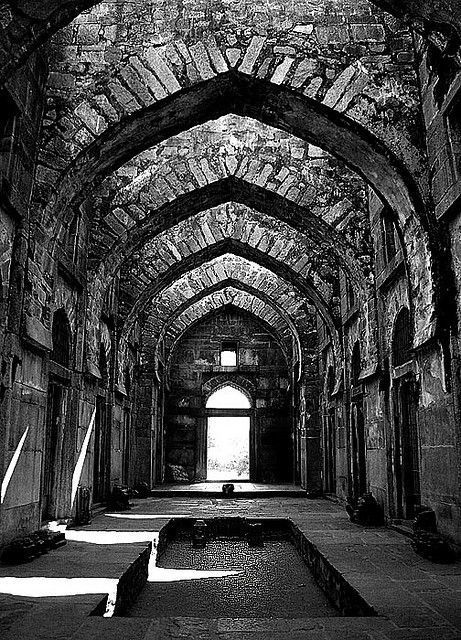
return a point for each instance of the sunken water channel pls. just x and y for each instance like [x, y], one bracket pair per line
[240, 568]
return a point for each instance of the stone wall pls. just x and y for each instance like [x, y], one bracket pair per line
[24, 370]
[440, 367]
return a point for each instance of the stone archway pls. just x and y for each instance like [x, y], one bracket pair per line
[234, 92]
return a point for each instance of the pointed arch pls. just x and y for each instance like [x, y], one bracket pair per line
[228, 396]
[238, 190]
[230, 282]
[275, 105]
[242, 250]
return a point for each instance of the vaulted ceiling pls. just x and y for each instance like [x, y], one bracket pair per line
[225, 153]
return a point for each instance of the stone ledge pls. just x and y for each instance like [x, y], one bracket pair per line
[36, 334]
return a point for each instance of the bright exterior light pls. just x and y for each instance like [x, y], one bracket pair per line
[228, 358]
[228, 448]
[12, 466]
[228, 452]
[41, 587]
[158, 574]
[81, 458]
[228, 398]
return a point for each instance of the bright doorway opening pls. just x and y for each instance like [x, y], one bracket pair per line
[228, 436]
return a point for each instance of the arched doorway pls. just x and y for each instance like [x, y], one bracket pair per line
[357, 434]
[405, 403]
[228, 435]
[102, 444]
[56, 417]
[329, 443]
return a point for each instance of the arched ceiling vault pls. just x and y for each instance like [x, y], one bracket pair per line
[277, 252]
[216, 306]
[160, 330]
[231, 298]
[229, 267]
[167, 318]
[232, 146]
[220, 249]
[236, 93]
[280, 245]
[233, 159]
[276, 106]
[28, 23]
[138, 92]
[174, 219]
[108, 144]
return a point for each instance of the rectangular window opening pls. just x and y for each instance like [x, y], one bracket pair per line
[229, 354]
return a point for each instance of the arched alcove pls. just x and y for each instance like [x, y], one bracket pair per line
[57, 420]
[61, 353]
[405, 438]
[358, 480]
[402, 340]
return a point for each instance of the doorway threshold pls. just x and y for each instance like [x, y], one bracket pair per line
[241, 490]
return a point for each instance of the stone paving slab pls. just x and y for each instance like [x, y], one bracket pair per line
[414, 598]
[205, 487]
[112, 629]
[52, 620]
[234, 629]
[242, 490]
[53, 617]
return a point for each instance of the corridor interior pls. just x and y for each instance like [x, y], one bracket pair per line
[230, 254]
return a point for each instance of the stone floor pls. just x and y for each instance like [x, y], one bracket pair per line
[241, 489]
[414, 598]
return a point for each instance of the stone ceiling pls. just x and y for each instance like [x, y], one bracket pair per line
[27, 23]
